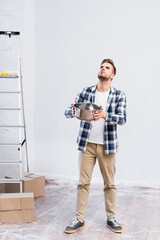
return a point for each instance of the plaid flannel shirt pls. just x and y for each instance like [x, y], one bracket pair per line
[116, 114]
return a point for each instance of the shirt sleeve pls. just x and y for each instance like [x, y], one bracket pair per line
[80, 98]
[119, 117]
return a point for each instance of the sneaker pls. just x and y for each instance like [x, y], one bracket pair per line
[114, 225]
[74, 226]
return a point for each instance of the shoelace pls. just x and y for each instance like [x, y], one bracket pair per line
[75, 221]
[114, 221]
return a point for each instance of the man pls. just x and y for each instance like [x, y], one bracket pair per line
[98, 140]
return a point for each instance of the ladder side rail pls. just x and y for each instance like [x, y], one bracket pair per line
[24, 121]
[20, 118]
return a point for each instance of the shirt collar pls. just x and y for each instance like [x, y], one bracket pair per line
[93, 89]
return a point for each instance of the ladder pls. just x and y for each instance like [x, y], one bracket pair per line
[21, 126]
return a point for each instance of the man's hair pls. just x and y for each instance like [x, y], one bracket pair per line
[111, 62]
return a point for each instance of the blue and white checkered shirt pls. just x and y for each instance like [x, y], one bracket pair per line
[116, 114]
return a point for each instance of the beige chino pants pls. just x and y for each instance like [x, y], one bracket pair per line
[87, 161]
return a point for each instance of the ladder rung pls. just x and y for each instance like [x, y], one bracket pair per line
[7, 76]
[10, 162]
[10, 126]
[10, 144]
[2, 180]
[9, 108]
[9, 92]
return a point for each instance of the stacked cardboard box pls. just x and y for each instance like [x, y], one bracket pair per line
[31, 183]
[2, 187]
[16, 207]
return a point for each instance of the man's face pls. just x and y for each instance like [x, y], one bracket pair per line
[106, 71]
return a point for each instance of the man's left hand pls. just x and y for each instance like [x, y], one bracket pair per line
[99, 114]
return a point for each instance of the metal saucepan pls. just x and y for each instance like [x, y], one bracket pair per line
[85, 111]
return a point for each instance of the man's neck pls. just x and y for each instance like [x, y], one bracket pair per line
[104, 86]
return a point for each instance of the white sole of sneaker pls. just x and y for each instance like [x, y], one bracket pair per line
[115, 231]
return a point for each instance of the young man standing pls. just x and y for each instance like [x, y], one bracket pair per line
[98, 140]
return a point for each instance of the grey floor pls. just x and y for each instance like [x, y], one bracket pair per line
[138, 210]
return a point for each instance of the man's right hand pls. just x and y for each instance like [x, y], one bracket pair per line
[73, 108]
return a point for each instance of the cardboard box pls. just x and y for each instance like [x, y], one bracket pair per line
[2, 187]
[16, 207]
[31, 183]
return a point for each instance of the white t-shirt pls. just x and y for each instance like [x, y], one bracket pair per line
[97, 130]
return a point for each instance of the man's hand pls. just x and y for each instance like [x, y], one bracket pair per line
[99, 114]
[73, 109]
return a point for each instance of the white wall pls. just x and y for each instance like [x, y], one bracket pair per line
[17, 15]
[72, 37]
[68, 41]
[29, 77]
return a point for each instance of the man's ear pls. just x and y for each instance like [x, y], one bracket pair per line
[112, 76]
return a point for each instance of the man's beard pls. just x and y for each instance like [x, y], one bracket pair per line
[101, 78]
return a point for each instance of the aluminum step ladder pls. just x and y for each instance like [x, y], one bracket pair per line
[17, 76]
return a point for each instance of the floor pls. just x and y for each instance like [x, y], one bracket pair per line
[138, 210]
